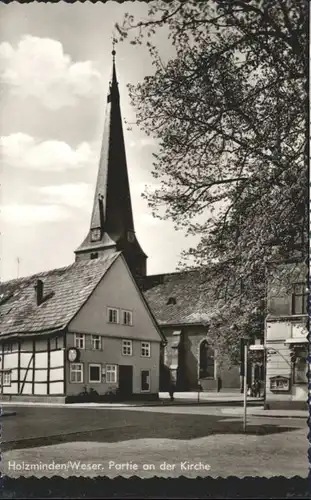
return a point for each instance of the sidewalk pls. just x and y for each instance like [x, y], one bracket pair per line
[234, 395]
[213, 398]
[180, 399]
[223, 403]
[260, 412]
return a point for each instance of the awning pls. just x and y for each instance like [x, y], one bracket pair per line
[297, 340]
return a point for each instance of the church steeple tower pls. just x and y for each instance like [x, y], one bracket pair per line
[112, 225]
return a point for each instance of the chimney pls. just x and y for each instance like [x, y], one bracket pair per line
[39, 292]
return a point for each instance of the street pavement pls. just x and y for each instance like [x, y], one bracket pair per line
[176, 441]
[230, 408]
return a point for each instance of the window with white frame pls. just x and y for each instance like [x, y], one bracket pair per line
[76, 373]
[127, 347]
[111, 374]
[94, 373]
[145, 349]
[5, 378]
[127, 318]
[145, 381]
[113, 315]
[80, 340]
[96, 342]
[7, 348]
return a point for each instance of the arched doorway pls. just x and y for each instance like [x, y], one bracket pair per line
[206, 361]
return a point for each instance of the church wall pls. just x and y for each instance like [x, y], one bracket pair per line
[191, 336]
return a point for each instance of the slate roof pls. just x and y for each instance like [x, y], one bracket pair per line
[66, 289]
[190, 291]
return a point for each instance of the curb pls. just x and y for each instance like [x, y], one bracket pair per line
[278, 416]
[214, 403]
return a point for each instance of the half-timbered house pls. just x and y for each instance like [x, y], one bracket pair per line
[76, 329]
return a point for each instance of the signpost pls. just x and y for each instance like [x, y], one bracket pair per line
[245, 385]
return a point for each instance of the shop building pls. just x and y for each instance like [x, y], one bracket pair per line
[286, 341]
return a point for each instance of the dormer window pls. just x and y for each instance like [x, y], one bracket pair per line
[171, 301]
[40, 296]
[94, 255]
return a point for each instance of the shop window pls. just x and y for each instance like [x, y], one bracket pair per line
[279, 384]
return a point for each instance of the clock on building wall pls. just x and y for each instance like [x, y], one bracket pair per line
[95, 234]
[73, 354]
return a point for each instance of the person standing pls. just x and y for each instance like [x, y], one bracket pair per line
[257, 388]
[172, 389]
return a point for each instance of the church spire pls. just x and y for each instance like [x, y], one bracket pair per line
[112, 225]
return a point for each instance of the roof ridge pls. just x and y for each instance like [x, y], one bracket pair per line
[31, 276]
[184, 271]
[25, 315]
[50, 271]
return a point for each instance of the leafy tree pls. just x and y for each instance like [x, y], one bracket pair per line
[229, 111]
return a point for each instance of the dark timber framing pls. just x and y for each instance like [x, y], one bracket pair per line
[27, 370]
[2, 367]
[33, 365]
[48, 368]
[65, 360]
[18, 367]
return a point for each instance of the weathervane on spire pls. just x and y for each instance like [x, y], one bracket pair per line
[113, 64]
[113, 48]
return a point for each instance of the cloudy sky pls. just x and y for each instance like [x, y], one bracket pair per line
[55, 65]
